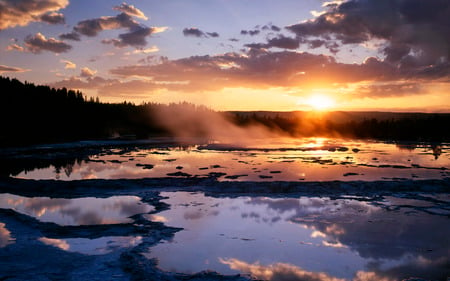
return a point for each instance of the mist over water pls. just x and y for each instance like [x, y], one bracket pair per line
[187, 121]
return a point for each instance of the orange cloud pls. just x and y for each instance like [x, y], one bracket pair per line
[22, 12]
[5, 68]
[130, 10]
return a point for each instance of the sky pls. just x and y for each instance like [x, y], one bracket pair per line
[383, 55]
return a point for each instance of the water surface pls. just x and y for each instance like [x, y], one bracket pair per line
[314, 237]
[311, 159]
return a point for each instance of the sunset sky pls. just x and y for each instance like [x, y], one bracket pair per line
[390, 55]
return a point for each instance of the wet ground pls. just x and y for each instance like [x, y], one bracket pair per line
[311, 218]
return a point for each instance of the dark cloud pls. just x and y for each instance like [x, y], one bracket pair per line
[416, 31]
[38, 43]
[250, 32]
[135, 38]
[92, 27]
[259, 69]
[313, 44]
[195, 32]
[271, 27]
[257, 30]
[70, 36]
[280, 41]
[275, 28]
[212, 34]
[22, 12]
[136, 35]
[283, 42]
[391, 90]
[5, 68]
[53, 18]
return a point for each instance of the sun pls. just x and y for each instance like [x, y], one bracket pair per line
[320, 102]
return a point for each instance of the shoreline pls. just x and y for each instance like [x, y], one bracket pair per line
[211, 185]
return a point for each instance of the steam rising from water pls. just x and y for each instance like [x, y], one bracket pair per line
[190, 121]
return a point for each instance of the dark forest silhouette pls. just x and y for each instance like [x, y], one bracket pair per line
[38, 114]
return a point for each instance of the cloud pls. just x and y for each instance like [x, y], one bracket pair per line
[250, 32]
[415, 32]
[135, 38]
[136, 35]
[271, 27]
[129, 89]
[261, 68]
[74, 82]
[258, 69]
[391, 89]
[195, 32]
[152, 49]
[5, 68]
[130, 10]
[277, 271]
[68, 64]
[15, 47]
[70, 36]
[22, 12]
[38, 43]
[212, 34]
[53, 18]
[92, 27]
[87, 72]
[280, 41]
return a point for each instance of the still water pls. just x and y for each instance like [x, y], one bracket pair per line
[268, 238]
[306, 238]
[311, 159]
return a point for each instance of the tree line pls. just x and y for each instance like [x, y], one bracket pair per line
[32, 114]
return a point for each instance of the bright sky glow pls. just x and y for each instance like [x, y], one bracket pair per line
[320, 102]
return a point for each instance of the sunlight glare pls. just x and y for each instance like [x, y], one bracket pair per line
[320, 102]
